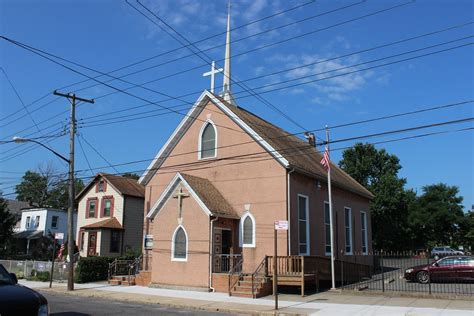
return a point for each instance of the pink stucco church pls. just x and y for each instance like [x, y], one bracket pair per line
[215, 189]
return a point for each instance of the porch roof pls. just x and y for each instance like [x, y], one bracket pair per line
[111, 223]
[29, 234]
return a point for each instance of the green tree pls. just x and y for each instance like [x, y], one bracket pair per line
[33, 189]
[46, 189]
[438, 217]
[377, 170]
[131, 175]
[7, 222]
[466, 228]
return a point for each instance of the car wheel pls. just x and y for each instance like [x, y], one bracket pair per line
[423, 277]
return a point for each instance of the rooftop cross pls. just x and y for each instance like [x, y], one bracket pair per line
[180, 195]
[211, 73]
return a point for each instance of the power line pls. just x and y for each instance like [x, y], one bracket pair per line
[85, 156]
[320, 61]
[98, 153]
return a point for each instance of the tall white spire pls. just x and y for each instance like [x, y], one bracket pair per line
[226, 91]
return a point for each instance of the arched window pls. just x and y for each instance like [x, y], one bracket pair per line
[248, 230]
[207, 142]
[180, 245]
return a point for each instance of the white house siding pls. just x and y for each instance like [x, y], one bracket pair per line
[83, 221]
[133, 223]
[46, 218]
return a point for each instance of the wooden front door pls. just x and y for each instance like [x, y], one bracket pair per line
[92, 244]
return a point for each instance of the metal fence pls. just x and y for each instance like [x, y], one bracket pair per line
[415, 273]
[24, 268]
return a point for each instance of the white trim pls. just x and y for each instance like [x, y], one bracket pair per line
[178, 178]
[241, 239]
[204, 125]
[366, 252]
[327, 242]
[350, 231]
[307, 225]
[172, 244]
[173, 139]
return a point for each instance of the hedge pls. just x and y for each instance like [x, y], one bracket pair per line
[91, 269]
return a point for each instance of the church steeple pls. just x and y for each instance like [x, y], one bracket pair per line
[226, 91]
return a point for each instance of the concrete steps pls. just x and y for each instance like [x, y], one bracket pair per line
[243, 288]
[122, 280]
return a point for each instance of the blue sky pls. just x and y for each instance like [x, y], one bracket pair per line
[106, 35]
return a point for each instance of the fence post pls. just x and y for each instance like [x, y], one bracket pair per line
[381, 266]
[429, 273]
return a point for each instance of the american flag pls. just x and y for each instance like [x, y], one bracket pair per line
[61, 250]
[325, 160]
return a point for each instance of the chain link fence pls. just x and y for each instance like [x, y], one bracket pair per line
[25, 268]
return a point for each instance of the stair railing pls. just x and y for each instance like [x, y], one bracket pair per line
[237, 268]
[134, 267]
[262, 266]
[112, 269]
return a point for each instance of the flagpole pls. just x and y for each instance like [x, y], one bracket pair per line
[333, 279]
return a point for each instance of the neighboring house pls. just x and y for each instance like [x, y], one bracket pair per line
[215, 189]
[110, 216]
[40, 222]
[15, 207]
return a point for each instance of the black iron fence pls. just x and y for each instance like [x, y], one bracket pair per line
[225, 263]
[408, 272]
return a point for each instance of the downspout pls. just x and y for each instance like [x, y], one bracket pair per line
[288, 194]
[123, 225]
[211, 246]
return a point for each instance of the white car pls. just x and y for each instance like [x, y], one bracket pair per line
[439, 252]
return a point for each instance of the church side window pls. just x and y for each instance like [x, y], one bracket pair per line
[248, 231]
[208, 141]
[180, 245]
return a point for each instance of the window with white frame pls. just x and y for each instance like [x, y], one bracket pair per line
[327, 229]
[207, 141]
[37, 221]
[27, 223]
[303, 225]
[180, 245]
[348, 229]
[248, 230]
[363, 226]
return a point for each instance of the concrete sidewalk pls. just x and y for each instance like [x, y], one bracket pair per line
[317, 304]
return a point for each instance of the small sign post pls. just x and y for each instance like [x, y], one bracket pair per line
[56, 236]
[279, 225]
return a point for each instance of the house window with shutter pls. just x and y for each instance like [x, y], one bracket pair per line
[363, 225]
[179, 245]
[348, 230]
[114, 241]
[208, 141]
[303, 224]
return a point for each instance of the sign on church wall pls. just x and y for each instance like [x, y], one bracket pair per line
[148, 241]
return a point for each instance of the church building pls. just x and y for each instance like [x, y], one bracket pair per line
[215, 189]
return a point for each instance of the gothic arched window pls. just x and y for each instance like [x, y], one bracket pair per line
[248, 230]
[180, 245]
[208, 141]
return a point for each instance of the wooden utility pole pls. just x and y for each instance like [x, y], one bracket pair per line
[70, 214]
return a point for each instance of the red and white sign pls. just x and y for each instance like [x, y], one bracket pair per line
[59, 236]
[281, 225]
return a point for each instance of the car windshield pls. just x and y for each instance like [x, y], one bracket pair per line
[4, 276]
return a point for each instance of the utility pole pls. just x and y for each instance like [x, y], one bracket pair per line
[72, 195]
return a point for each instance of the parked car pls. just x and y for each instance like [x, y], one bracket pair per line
[452, 268]
[439, 252]
[16, 299]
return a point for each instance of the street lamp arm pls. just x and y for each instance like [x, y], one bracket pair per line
[48, 148]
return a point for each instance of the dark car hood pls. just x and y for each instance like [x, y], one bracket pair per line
[420, 267]
[15, 299]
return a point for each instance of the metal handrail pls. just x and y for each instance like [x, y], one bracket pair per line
[232, 271]
[261, 265]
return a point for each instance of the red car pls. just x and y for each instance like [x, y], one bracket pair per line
[453, 268]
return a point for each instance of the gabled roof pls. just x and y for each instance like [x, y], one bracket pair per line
[111, 223]
[289, 150]
[123, 185]
[202, 190]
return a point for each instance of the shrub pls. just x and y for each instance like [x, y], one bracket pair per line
[39, 276]
[91, 269]
[20, 275]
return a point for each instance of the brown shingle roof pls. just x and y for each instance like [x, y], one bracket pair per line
[210, 196]
[126, 186]
[299, 153]
[111, 223]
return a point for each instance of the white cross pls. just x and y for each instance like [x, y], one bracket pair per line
[211, 73]
[180, 195]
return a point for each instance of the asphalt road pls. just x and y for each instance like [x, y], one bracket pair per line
[62, 305]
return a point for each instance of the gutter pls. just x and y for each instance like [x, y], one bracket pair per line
[211, 247]
[288, 217]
